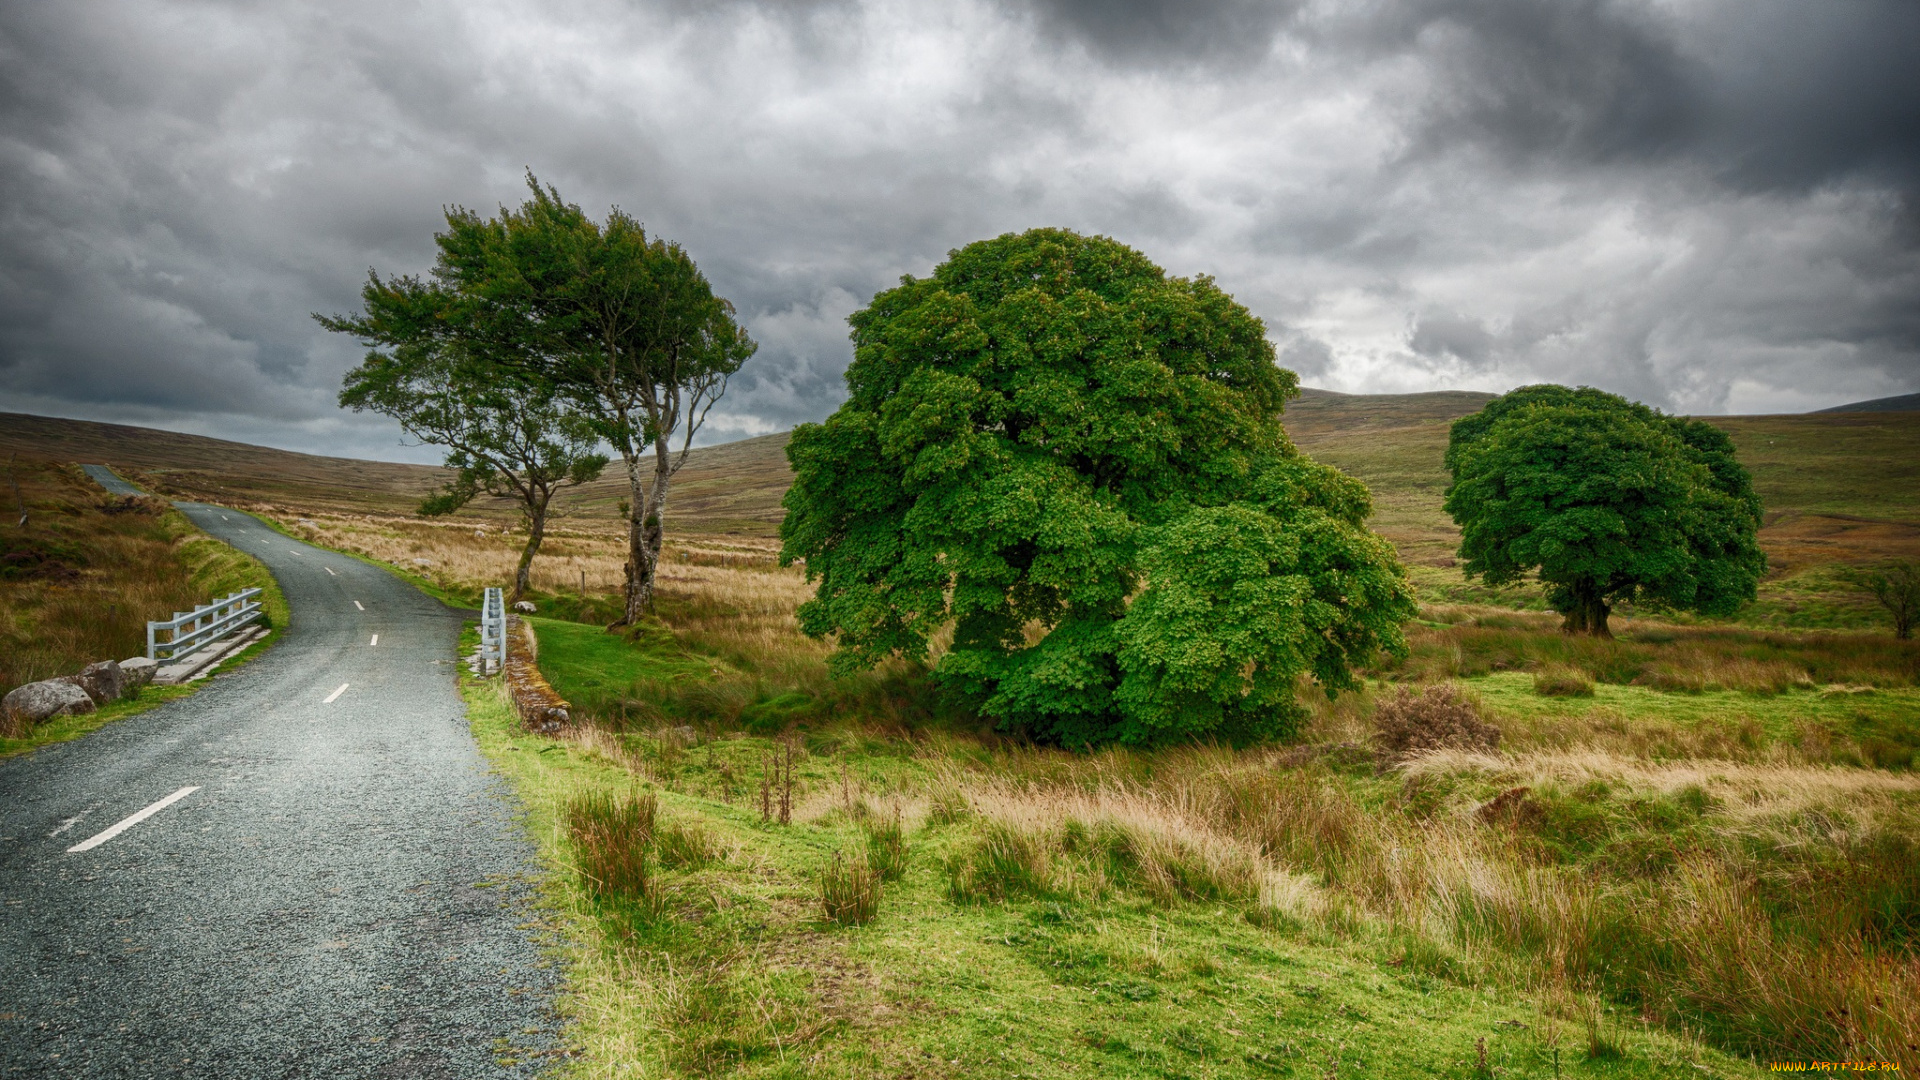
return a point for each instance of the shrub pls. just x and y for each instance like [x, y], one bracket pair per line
[611, 836]
[686, 846]
[849, 890]
[1437, 717]
[1557, 681]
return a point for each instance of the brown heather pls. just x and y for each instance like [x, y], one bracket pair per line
[80, 582]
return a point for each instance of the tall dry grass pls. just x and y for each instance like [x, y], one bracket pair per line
[467, 557]
[1773, 907]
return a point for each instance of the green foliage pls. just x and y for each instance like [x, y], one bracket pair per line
[1607, 501]
[505, 434]
[1077, 461]
[887, 848]
[849, 890]
[777, 713]
[557, 308]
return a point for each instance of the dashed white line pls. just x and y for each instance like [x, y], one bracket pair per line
[375, 641]
[329, 571]
[356, 603]
[72, 821]
[341, 689]
[99, 838]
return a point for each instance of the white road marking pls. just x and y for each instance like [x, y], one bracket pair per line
[341, 690]
[375, 641]
[127, 823]
[224, 517]
[72, 821]
[356, 603]
[329, 570]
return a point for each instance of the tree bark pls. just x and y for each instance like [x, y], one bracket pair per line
[639, 590]
[1587, 612]
[536, 531]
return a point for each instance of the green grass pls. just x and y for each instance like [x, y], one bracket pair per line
[1779, 717]
[735, 970]
[600, 670]
[1818, 463]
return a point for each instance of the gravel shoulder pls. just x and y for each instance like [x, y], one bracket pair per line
[344, 893]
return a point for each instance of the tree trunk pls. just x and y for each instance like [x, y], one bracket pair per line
[1597, 618]
[645, 532]
[536, 531]
[1587, 613]
[637, 596]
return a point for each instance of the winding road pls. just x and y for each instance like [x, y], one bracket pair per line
[339, 887]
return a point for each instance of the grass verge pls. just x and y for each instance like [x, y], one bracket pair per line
[733, 964]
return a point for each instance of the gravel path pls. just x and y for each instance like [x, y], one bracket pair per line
[341, 896]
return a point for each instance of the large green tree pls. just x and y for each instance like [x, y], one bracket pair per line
[504, 435]
[1606, 500]
[623, 328]
[1076, 462]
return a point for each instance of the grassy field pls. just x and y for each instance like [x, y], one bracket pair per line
[80, 581]
[980, 961]
[1684, 879]
[1699, 857]
[1841, 490]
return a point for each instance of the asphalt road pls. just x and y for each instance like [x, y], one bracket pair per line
[343, 893]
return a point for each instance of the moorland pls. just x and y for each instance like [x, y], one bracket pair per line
[1693, 848]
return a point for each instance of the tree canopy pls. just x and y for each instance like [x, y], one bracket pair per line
[1076, 462]
[623, 328]
[504, 434]
[1606, 500]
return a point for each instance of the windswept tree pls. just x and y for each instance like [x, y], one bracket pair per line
[1077, 463]
[623, 328]
[1896, 588]
[505, 436]
[1606, 500]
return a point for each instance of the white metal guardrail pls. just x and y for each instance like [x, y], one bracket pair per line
[190, 631]
[493, 632]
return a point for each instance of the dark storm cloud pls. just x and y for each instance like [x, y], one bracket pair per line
[1572, 81]
[1712, 205]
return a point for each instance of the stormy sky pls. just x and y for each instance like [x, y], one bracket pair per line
[1709, 205]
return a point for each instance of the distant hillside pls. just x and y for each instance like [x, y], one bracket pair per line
[1395, 443]
[1837, 485]
[1902, 403]
[197, 467]
[735, 485]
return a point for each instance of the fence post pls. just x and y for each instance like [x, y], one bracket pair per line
[493, 631]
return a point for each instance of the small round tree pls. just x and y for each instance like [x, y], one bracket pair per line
[1076, 463]
[1606, 500]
